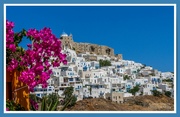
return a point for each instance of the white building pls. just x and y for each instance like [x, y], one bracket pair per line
[167, 75]
[40, 92]
[148, 88]
[89, 80]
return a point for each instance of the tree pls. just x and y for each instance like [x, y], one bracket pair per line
[103, 63]
[134, 90]
[168, 93]
[156, 93]
[126, 77]
[167, 80]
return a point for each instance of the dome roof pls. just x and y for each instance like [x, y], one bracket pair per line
[64, 34]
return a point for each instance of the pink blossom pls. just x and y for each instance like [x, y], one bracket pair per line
[7, 109]
[56, 63]
[12, 47]
[10, 36]
[12, 65]
[29, 45]
[37, 59]
[65, 62]
[44, 85]
[39, 68]
[34, 104]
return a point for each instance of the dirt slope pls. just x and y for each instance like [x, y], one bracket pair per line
[139, 103]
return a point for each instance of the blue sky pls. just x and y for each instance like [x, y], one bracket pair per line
[142, 34]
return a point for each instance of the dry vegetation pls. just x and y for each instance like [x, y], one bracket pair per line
[139, 103]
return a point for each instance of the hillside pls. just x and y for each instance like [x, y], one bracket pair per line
[138, 103]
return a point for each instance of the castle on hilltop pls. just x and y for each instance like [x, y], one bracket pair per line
[67, 42]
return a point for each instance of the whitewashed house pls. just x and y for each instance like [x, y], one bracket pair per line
[148, 88]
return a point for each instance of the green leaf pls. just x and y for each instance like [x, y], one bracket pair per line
[55, 106]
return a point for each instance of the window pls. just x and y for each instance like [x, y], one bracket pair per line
[70, 79]
[38, 95]
[119, 96]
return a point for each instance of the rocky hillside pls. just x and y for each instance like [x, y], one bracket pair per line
[138, 103]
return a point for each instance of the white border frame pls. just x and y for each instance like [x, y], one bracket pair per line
[72, 112]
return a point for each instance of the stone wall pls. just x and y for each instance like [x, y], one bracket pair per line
[90, 58]
[119, 56]
[67, 42]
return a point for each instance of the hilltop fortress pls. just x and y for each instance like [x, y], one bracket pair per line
[67, 42]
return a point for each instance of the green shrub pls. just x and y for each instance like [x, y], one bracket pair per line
[35, 98]
[70, 99]
[156, 93]
[12, 106]
[50, 102]
[134, 90]
[126, 77]
[168, 93]
[167, 80]
[103, 63]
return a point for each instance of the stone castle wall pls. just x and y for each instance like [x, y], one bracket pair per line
[67, 42]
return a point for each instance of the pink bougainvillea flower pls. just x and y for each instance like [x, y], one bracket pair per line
[7, 109]
[10, 36]
[65, 62]
[29, 45]
[34, 104]
[12, 65]
[38, 60]
[12, 47]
